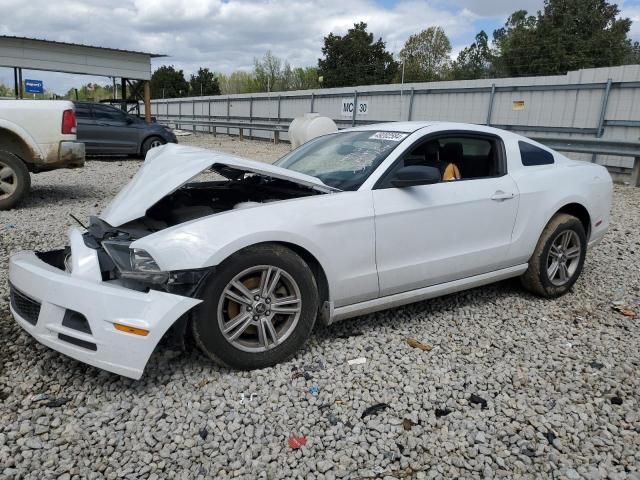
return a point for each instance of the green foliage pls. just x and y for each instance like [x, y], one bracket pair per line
[474, 61]
[566, 35]
[204, 82]
[6, 91]
[167, 82]
[355, 59]
[426, 56]
[91, 91]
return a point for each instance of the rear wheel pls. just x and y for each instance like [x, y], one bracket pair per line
[15, 181]
[258, 309]
[558, 258]
[151, 142]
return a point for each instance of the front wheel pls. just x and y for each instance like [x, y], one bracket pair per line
[558, 258]
[150, 143]
[15, 181]
[258, 309]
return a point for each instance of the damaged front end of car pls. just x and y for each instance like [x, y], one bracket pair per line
[108, 303]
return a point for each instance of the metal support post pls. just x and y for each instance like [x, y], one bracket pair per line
[490, 109]
[147, 101]
[410, 105]
[355, 108]
[250, 115]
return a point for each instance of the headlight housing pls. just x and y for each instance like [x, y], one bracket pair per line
[134, 263]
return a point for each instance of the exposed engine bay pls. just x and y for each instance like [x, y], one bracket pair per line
[190, 202]
[201, 199]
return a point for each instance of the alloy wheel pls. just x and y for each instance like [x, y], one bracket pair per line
[8, 181]
[564, 257]
[259, 308]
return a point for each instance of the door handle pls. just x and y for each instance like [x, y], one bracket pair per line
[501, 196]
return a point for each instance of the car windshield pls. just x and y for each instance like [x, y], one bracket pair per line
[343, 160]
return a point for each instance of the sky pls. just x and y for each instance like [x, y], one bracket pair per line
[226, 35]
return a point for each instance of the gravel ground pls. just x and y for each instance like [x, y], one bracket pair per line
[514, 386]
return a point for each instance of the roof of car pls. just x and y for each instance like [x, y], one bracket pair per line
[395, 126]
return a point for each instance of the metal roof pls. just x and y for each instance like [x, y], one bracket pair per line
[53, 42]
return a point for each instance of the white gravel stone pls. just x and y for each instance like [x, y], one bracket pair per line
[549, 408]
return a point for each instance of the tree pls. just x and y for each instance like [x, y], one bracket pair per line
[304, 78]
[355, 59]
[268, 73]
[167, 82]
[6, 91]
[566, 35]
[204, 82]
[238, 82]
[426, 55]
[474, 61]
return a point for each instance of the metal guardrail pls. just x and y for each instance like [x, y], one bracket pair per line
[596, 146]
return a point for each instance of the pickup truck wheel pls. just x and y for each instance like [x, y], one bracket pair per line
[258, 309]
[15, 181]
[558, 258]
[151, 142]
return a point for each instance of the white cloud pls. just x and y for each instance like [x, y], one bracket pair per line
[226, 35]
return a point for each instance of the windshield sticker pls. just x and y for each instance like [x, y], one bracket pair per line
[392, 136]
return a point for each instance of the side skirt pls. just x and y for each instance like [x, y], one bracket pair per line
[398, 299]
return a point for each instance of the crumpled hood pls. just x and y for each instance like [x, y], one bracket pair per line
[170, 166]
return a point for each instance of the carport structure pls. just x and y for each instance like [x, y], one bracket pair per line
[34, 54]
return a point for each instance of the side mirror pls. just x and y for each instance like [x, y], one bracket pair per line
[415, 175]
[129, 120]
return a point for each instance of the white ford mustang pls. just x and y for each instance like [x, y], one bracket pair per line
[349, 223]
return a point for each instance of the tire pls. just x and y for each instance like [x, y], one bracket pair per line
[15, 181]
[563, 242]
[150, 143]
[256, 345]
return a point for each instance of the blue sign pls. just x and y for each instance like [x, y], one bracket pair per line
[33, 86]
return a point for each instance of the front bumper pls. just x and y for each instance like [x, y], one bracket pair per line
[58, 294]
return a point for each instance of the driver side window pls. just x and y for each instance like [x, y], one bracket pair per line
[457, 157]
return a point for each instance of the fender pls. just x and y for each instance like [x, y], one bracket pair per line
[25, 137]
[341, 239]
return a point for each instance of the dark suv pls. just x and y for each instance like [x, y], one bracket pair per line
[108, 130]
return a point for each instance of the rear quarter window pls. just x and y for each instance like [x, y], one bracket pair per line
[532, 155]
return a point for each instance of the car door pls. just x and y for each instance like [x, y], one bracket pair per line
[431, 234]
[88, 131]
[116, 133]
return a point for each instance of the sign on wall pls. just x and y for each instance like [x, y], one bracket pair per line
[33, 86]
[348, 105]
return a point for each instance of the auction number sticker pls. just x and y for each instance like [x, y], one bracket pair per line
[391, 136]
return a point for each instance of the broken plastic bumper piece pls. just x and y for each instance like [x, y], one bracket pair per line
[103, 324]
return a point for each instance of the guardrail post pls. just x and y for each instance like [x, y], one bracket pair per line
[490, 109]
[410, 113]
[276, 137]
[228, 111]
[279, 98]
[635, 173]
[209, 116]
[250, 116]
[193, 115]
[603, 111]
[313, 98]
[355, 108]
[241, 133]
[179, 112]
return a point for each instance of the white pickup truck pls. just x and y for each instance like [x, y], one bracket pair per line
[35, 136]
